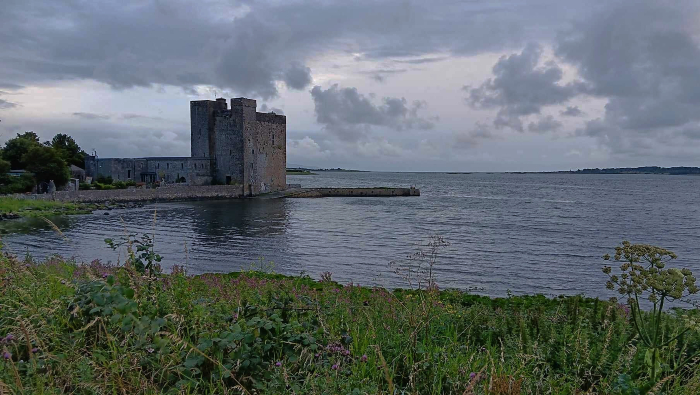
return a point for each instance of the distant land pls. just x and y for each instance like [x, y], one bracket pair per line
[681, 170]
[300, 169]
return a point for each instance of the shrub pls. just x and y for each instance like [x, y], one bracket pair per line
[119, 185]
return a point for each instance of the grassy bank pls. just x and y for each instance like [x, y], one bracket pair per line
[91, 329]
[29, 207]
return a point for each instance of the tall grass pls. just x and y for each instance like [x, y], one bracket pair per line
[89, 329]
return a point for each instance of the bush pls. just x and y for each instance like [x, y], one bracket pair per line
[119, 185]
[84, 186]
[104, 180]
[21, 184]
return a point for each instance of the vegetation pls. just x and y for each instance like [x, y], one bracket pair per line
[33, 208]
[679, 170]
[44, 162]
[85, 329]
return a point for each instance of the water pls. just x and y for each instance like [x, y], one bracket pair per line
[524, 233]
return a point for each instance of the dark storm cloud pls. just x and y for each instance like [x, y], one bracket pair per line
[644, 59]
[521, 87]
[244, 46]
[297, 76]
[350, 114]
[572, 111]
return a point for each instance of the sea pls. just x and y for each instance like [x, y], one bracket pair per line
[504, 233]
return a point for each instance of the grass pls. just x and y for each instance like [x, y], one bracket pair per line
[89, 329]
[31, 207]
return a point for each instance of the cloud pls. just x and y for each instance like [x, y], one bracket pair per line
[265, 108]
[90, 116]
[572, 111]
[521, 87]
[4, 104]
[349, 114]
[297, 76]
[472, 138]
[246, 46]
[306, 149]
[544, 124]
[644, 61]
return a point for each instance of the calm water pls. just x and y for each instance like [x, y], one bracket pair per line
[532, 233]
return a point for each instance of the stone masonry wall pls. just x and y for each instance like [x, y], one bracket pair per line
[265, 154]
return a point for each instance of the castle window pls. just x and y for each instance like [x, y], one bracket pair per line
[230, 152]
[168, 165]
[182, 165]
[157, 165]
[128, 174]
[252, 152]
[273, 139]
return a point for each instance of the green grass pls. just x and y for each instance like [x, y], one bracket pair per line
[90, 329]
[29, 207]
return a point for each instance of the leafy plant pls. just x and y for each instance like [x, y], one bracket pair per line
[643, 274]
[141, 254]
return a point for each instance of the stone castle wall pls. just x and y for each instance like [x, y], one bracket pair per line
[265, 154]
[229, 146]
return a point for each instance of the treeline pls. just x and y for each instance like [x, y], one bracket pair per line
[43, 162]
[680, 170]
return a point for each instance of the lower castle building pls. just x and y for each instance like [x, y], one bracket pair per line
[236, 145]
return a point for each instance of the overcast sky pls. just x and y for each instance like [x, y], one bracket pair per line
[400, 85]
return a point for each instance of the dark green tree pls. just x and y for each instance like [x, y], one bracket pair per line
[68, 149]
[46, 164]
[17, 147]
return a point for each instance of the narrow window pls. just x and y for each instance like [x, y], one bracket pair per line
[273, 139]
[182, 165]
[157, 165]
[128, 174]
[252, 152]
[167, 165]
[251, 166]
[230, 152]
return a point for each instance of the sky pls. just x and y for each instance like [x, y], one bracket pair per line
[394, 85]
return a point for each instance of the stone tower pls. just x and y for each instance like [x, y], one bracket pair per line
[246, 147]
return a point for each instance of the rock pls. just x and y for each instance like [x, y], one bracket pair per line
[105, 213]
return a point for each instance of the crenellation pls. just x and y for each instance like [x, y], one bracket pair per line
[235, 145]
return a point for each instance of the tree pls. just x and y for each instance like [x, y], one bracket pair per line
[16, 148]
[68, 149]
[46, 164]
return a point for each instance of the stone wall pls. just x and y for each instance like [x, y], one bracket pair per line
[265, 154]
[229, 149]
[170, 193]
[351, 192]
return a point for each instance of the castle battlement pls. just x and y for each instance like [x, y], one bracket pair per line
[235, 145]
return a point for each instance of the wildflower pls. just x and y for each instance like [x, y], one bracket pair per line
[10, 337]
[6, 355]
[334, 367]
[35, 350]
[105, 275]
[278, 364]
[363, 358]
[150, 350]
[472, 375]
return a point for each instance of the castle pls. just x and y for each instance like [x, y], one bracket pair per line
[236, 146]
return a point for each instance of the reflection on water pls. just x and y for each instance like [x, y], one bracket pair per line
[525, 233]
